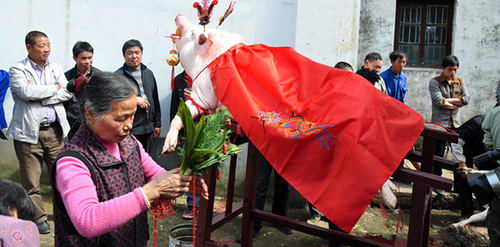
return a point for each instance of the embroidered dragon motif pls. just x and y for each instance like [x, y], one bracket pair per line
[296, 127]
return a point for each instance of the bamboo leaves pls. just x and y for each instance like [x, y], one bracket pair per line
[205, 142]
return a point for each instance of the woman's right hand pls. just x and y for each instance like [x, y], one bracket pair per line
[167, 185]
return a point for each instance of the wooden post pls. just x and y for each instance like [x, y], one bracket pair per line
[204, 222]
[420, 214]
[249, 197]
[230, 185]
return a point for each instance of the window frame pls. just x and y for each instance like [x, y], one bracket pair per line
[423, 26]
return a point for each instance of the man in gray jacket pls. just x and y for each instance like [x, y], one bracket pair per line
[448, 95]
[38, 123]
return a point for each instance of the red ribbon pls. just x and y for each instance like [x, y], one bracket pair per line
[194, 210]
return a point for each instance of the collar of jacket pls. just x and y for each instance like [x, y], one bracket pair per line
[128, 69]
[32, 63]
[27, 63]
[27, 66]
[74, 73]
[441, 78]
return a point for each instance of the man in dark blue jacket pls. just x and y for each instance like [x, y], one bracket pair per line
[147, 122]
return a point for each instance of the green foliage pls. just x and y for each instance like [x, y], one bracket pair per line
[204, 141]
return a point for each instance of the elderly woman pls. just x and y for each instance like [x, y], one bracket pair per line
[104, 180]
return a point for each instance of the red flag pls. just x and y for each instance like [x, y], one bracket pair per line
[328, 132]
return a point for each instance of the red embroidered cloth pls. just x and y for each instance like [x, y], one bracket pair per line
[328, 132]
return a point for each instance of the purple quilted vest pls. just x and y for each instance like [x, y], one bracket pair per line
[112, 178]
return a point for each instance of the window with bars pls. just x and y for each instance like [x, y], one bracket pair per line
[423, 30]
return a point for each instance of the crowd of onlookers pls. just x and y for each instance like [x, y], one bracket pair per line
[50, 106]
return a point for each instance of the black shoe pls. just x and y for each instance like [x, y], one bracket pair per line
[255, 234]
[43, 227]
[284, 230]
[2, 135]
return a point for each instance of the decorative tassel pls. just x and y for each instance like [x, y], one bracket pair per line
[172, 79]
[194, 210]
[173, 60]
[160, 209]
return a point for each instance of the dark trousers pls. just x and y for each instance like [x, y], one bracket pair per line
[281, 190]
[31, 158]
[493, 222]
[465, 203]
[439, 149]
[145, 140]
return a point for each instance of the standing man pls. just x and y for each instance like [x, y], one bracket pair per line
[448, 95]
[280, 195]
[373, 61]
[179, 91]
[38, 123]
[394, 77]
[147, 120]
[83, 54]
[491, 127]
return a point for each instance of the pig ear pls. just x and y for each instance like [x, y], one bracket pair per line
[204, 44]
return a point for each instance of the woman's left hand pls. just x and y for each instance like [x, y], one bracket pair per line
[167, 185]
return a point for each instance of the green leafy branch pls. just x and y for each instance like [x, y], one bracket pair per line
[205, 142]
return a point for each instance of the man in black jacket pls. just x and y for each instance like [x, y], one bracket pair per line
[83, 54]
[147, 122]
[178, 92]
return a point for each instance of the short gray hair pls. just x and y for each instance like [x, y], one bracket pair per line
[102, 90]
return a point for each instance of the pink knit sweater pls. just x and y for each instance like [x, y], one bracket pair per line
[90, 217]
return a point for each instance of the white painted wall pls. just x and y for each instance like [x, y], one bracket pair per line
[476, 43]
[376, 29]
[327, 31]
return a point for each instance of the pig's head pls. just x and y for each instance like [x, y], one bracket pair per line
[197, 49]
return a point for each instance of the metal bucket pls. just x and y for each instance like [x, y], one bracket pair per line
[181, 236]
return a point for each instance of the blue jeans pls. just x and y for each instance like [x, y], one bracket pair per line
[189, 200]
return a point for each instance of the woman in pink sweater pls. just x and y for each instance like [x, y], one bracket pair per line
[104, 181]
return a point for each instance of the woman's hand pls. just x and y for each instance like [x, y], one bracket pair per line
[167, 185]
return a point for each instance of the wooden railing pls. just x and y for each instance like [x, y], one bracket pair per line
[422, 181]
